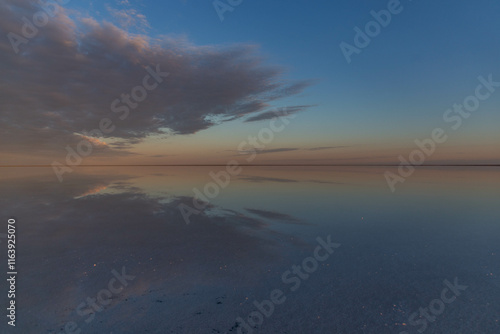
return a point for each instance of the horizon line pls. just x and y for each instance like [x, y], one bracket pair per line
[269, 165]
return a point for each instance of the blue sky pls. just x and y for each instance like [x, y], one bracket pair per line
[394, 91]
[424, 61]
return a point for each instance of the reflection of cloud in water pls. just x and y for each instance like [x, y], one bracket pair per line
[74, 235]
[275, 216]
[265, 179]
[92, 191]
[262, 179]
[204, 275]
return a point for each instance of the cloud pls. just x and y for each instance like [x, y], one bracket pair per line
[162, 155]
[286, 149]
[325, 148]
[275, 150]
[275, 113]
[65, 78]
[128, 18]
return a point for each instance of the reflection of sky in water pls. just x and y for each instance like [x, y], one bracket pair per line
[396, 248]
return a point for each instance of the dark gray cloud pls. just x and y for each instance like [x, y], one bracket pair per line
[65, 78]
[325, 148]
[277, 150]
[286, 149]
[162, 155]
[282, 111]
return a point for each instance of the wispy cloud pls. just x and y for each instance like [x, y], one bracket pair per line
[162, 155]
[286, 149]
[287, 110]
[128, 17]
[275, 150]
[326, 148]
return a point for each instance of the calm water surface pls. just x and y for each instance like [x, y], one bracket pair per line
[109, 251]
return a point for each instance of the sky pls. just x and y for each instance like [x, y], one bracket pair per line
[219, 73]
